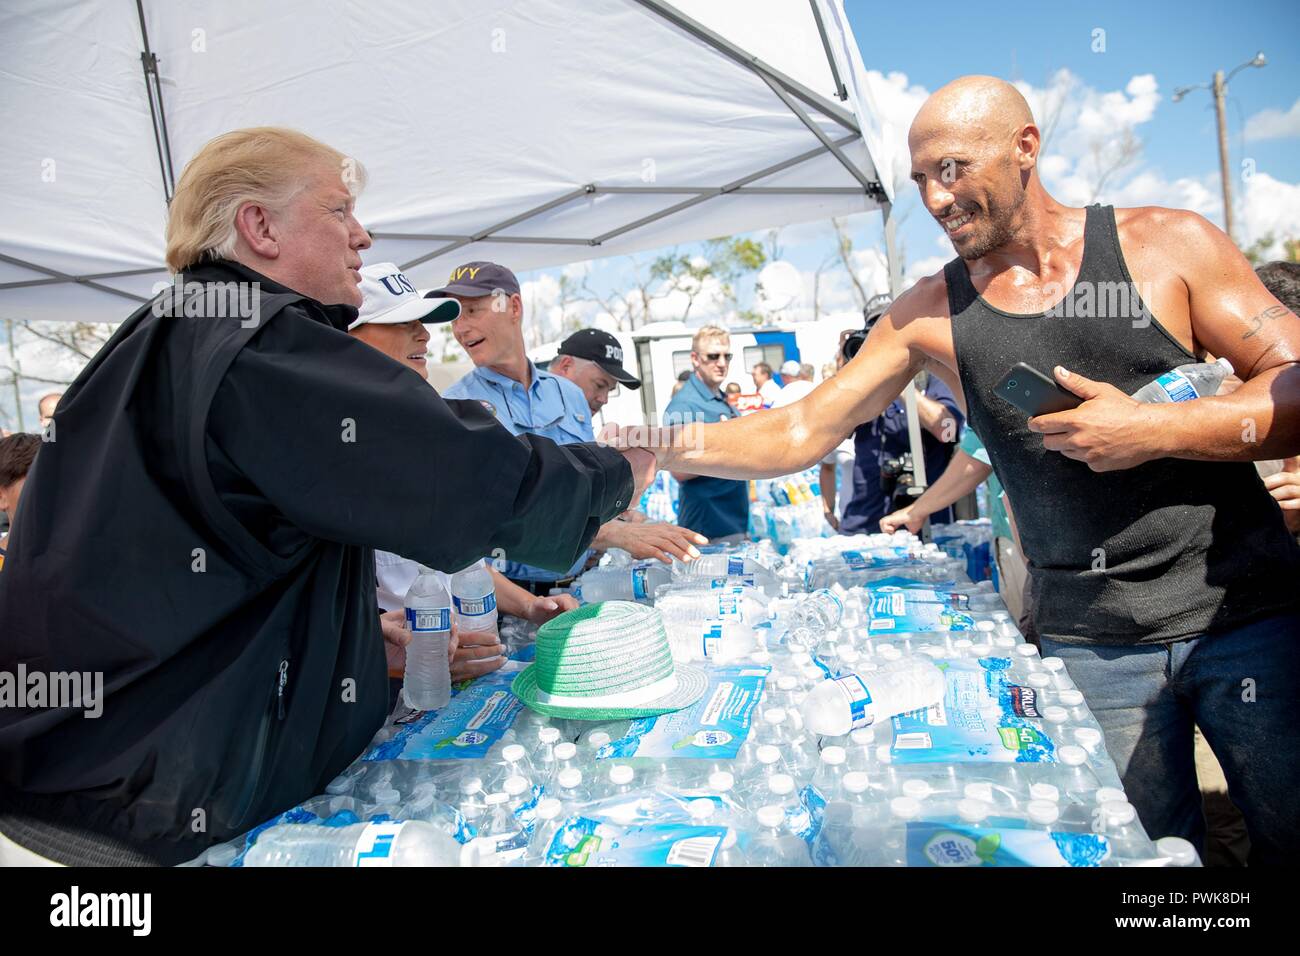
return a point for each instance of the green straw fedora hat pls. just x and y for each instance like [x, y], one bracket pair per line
[607, 661]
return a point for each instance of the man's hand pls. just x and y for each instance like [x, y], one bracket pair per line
[1108, 432]
[541, 609]
[476, 654]
[908, 518]
[654, 540]
[831, 520]
[1285, 489]
[632, 516]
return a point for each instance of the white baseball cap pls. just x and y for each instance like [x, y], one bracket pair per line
[389, 298]
[789, 368]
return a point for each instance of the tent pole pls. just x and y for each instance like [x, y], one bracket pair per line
[840, 91]
[64, 277]
[870, 185]
[153, 92]
[909, 393]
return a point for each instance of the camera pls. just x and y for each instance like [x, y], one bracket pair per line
[876, 307]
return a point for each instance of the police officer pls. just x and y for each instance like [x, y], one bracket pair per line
[593, 360]
[529, 400]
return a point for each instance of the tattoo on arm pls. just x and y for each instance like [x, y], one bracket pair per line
[1272, 312]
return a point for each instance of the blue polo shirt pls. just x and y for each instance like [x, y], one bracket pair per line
[714, 507]
[886, 437]
[551, 407]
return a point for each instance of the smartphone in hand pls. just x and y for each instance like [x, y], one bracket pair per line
[1033, 392]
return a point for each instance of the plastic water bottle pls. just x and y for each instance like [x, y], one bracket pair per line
[502, 829]
[635, 583]
[475, 598]
[1179, 852]
[409, 843]
[834, 843]
[818, 613]
[548, 820]
[829, 777]
[1186, 382]
[774, 845]
[722, 570]
[427, 683]
[858, 700]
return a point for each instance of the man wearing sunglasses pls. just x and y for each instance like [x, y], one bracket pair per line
[716, 507]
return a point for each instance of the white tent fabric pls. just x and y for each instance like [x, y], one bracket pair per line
[530, 132]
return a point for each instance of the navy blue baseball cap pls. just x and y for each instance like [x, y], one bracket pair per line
[476, 279]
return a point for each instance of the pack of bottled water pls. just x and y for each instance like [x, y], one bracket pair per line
[889, 718]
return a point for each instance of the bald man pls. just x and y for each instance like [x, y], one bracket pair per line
[1163, 572]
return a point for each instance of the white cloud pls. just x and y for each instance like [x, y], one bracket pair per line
[1268, 207]
[1274, 124]
[923, 267]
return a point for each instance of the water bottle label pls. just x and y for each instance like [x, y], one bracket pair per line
[430, 619]
[476, 607]
[374, 847]
[711, 637]
[859, 698]
[1177, 386]
[583, 841]
[735, 566]
[1009, 843]
[638, 584]
[475, 719]
[855, 561]
[833, 596]
[1023, 701]
[729, 606]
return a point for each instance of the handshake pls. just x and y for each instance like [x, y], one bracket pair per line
[647, 448]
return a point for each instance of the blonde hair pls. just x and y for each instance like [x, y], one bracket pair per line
[266, 165]
[707, 332]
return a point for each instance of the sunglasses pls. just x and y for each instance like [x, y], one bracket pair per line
[714, 356]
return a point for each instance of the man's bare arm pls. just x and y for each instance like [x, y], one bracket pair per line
[1234, 316]
[782, 441]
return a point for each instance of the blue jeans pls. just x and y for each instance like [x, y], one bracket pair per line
[1242, 688]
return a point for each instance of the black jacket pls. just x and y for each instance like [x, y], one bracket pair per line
[201, 532]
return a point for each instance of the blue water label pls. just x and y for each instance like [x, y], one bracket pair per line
[431, 619]
[952, 843]
[638, 584]
[583, 842]
[475, 607]
[982, 718]
[859, 698]
[735, 566]
[1177, 386]
[855, 561]
[711, 637]
[712, 728]
[466, 728]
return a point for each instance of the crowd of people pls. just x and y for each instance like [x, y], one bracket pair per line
[267, 489]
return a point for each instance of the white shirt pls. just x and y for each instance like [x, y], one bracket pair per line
[394, 576]
[792, 393]
[769, 391]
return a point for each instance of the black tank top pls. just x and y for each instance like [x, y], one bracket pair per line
[1166, 550]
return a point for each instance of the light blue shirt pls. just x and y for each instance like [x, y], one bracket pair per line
[551, 407]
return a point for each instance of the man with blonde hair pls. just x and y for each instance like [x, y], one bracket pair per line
[249, 457]
[715, 507]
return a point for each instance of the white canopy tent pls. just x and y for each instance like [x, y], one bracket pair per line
[530, 132]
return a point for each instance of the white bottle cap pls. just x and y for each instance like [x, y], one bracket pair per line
[932, 651]
[1044, 791]
[767, 754]
[1180, 851]
[620, 774]
[1001, 616]
[1119, 813]
[493, 799]
[548, 808]
[781, 784]
[984, 626]
[980, 790]
[721, 780]
[787, 682]
[905, 808]
[549, 735]
[515, 785]
[1042, 812]
[1088, 737]
[1054, 664]
[981, 650]
[962, 643]
[972, 811]
[855, 781]
[598, 739]
[513, 753]
[471, 785]
[771, 816]
[1072, 755]
[1039, 680]
[863, 736]
[1071, 697]
[848, 655]
[833, 755]
[774, 715]
[813, 674]
[1055, 715]
[570, 778]
[917, 789]
[1004, 643]
[889, 652]
[1110, 795]
[566, 751]
[700, 810]
[1026, 650]
[884, 754]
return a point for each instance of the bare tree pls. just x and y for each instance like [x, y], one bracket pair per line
[1109, 156]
